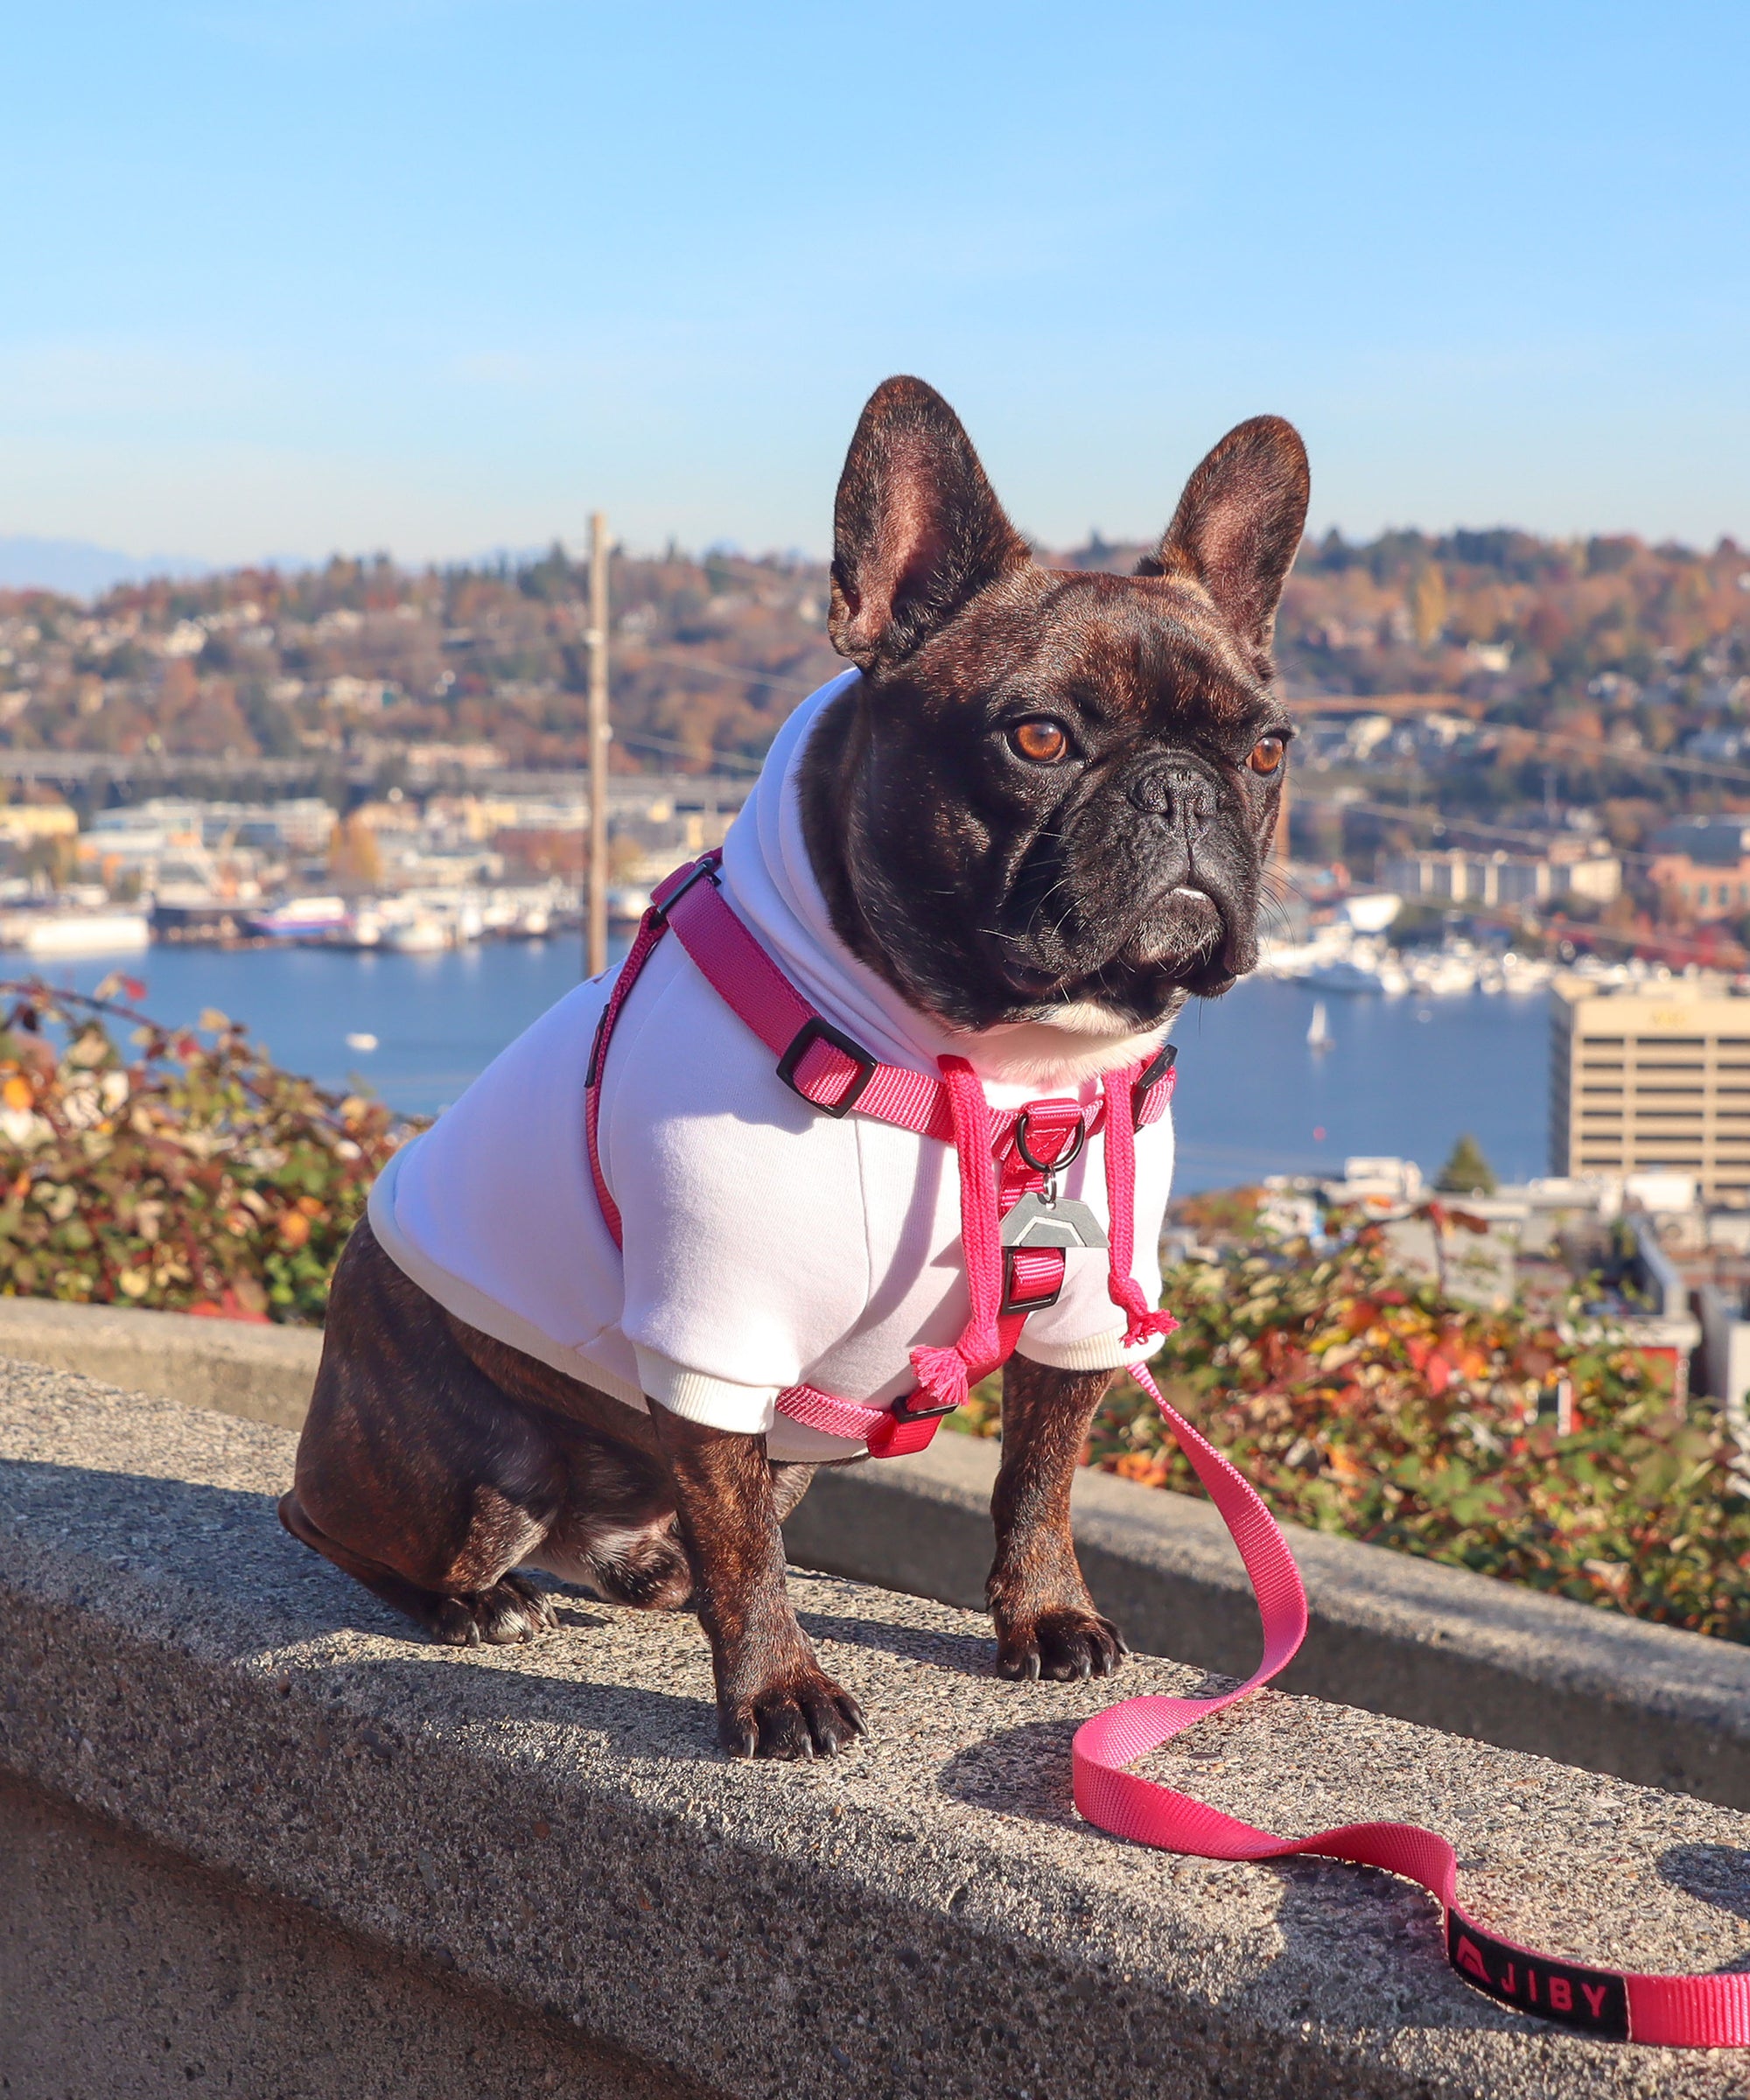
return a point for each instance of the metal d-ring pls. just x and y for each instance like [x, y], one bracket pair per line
[1050, 1168]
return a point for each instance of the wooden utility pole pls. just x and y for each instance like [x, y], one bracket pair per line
[596, 909]
[1280, 845]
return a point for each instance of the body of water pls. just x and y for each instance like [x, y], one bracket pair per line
[1402, 1076]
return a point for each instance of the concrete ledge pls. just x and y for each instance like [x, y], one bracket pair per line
[548, 1831]
[261, 1374]
[1392, 1634]
[129, 1971]
[1389, 1633]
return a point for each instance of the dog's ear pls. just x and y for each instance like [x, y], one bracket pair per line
[1238, 525]
[917, 531]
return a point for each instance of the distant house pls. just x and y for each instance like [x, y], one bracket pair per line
[1701, 866]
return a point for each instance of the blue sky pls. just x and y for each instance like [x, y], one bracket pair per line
[443, 275]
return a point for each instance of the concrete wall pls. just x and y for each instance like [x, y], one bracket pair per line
[1397, 1635]
[265, 1839]
[261, 1374]
[129, 1973]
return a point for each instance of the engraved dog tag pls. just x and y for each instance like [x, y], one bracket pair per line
[1033, 1223]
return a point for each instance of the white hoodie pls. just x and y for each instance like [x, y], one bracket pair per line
[767, 1245]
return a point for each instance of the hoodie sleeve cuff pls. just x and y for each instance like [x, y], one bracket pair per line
[1093, 1352]
[717, 1402]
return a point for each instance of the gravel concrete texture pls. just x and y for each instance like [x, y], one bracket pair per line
[1394, 1635]
[127, 1973]
[261, 1374]
[1389, 1633]
[552, 1824]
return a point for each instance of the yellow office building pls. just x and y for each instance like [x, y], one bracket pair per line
[1646, 1076]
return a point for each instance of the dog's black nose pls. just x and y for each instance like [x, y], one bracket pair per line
[1179, 796]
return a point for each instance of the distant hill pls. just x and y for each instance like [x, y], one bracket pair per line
[77, 568]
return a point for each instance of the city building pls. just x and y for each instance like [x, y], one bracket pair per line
[25, 824]
[1646, 1077]
[1579, 868]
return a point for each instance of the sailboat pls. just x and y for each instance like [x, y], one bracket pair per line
[1319, 1036]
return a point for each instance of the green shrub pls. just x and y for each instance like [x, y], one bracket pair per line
[1360, 1403]
[195, 1175]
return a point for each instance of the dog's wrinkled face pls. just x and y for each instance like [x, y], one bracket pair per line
[1052, 794]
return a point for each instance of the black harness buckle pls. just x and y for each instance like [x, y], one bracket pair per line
[901, 1412]
[813, 1031]
[703, 870]
[1150, 1076]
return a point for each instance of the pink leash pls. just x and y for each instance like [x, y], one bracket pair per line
[1679, 2012]
[834, 1075]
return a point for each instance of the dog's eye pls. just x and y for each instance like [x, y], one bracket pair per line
[1041, 742]
[1266, 754]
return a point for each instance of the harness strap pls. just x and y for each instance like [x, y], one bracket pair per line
[815, 1058]
[1680, 2012]
[997, 1168]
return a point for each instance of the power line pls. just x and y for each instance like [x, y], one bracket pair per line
[730, 670]
[1440, 821]
[688, 751]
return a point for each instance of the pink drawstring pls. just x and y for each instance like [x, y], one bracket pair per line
[945, 1374]
[1121, 1206]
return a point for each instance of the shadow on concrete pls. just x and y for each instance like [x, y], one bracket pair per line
[963, 1655]
[1716, 1875]
[222, 1541]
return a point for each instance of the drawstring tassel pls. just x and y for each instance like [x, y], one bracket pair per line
[942, 1377]
[946, 1375]
[1120, 1148]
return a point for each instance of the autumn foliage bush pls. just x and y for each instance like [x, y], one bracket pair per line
[186, 1171]
[1533, 1447]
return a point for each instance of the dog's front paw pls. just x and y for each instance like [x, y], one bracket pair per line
[804, 1715]
[1062, 1643]
[512, 1610]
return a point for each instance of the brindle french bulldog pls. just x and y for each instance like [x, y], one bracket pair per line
[1045, 810]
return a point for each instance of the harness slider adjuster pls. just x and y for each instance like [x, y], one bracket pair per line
[703, 870]
[901, 1412]
[1022, 1295]
[813, 1031]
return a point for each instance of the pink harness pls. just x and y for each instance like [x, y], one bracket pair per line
[1003, 1159]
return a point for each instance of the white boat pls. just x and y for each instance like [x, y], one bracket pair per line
[1371, 911]
[626, 906]
[299, 918]
[1319, 1036]
[79, 933]
[1525, 973]
[1344, 973]
[1443, 974]
[421, 936]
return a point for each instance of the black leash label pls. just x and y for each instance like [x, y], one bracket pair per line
[1592, 2000]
